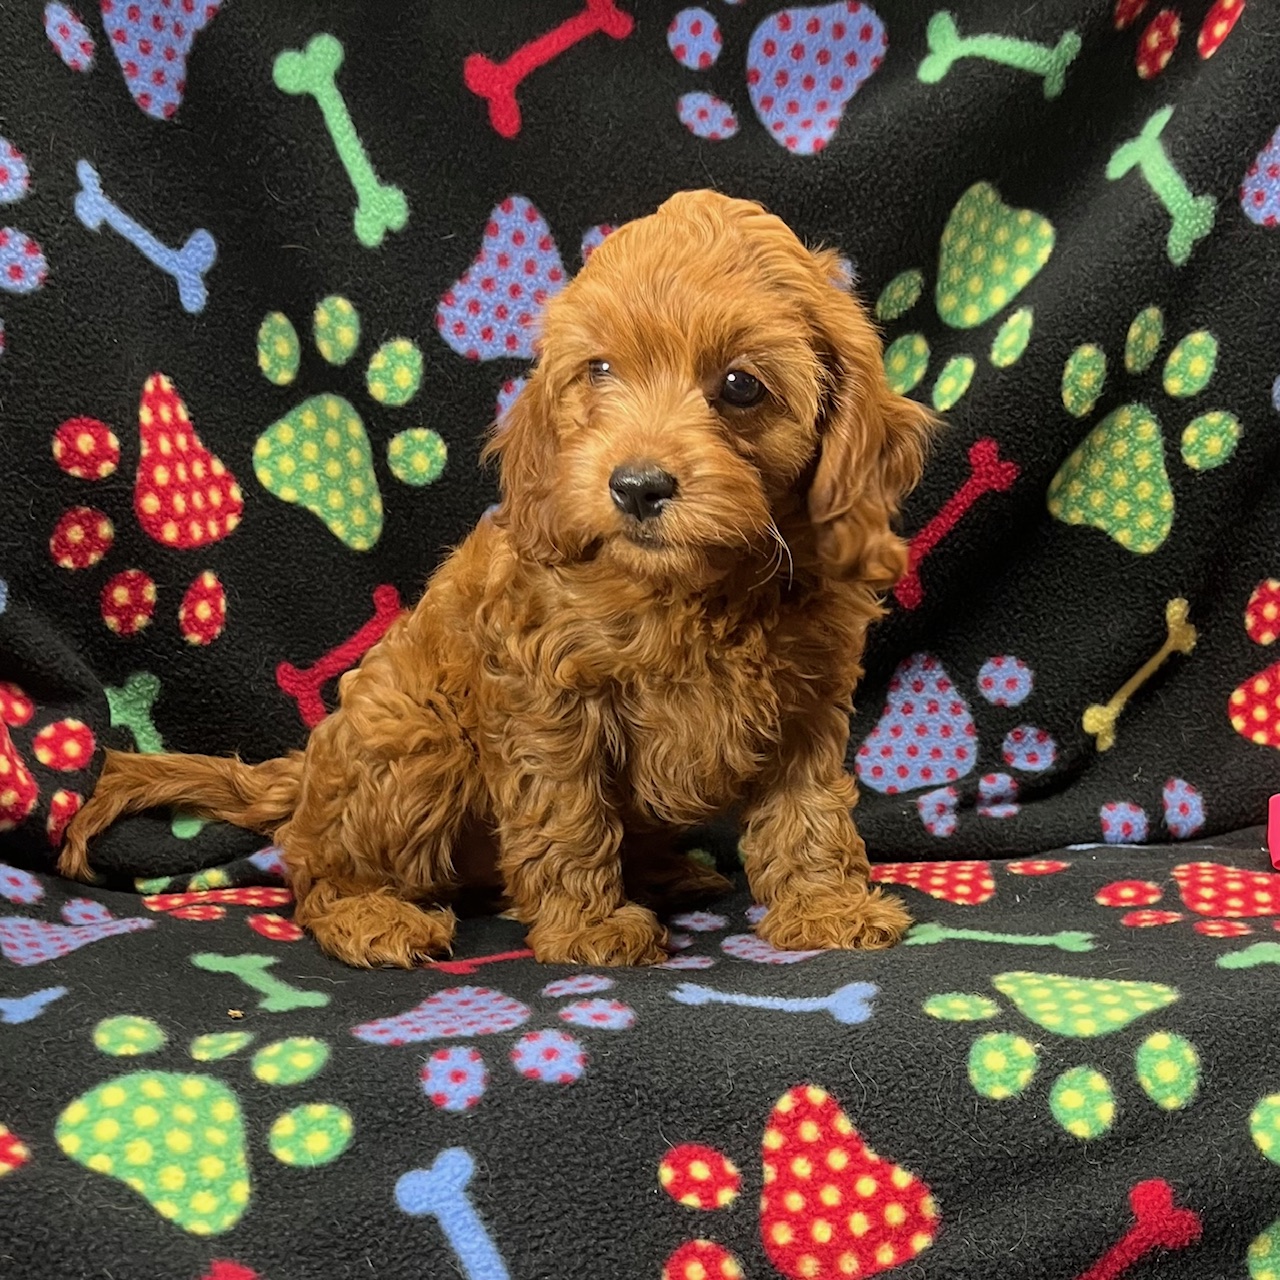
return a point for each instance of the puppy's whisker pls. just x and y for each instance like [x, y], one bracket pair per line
[783, 549]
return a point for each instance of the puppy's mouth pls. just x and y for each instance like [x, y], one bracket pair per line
[645, 534]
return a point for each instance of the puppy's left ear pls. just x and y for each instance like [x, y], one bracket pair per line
[872, 445]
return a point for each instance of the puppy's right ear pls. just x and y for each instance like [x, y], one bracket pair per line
[523, 442]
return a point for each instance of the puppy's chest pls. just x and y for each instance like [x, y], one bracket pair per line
[689, 747]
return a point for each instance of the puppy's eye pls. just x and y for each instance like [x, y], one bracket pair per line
[599, 370]
[741, 390]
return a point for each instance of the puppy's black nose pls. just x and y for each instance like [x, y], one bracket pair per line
[641, 490]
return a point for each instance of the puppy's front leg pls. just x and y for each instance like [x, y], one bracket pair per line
[804, 858]
[560, 843]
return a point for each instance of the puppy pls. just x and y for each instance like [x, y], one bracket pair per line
[661, 622]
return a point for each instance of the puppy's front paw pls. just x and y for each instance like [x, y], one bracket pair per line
[848, 920]
[631, 935]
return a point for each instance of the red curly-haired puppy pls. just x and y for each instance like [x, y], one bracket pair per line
[661, 622]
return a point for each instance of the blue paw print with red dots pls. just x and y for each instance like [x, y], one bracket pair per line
[927, 737]
[803, 67]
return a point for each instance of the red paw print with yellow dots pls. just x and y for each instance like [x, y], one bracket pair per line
[61, 746]
[1254, 705]
[184, 497]
[830, 1207]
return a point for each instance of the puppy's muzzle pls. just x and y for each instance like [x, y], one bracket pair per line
[641, 490]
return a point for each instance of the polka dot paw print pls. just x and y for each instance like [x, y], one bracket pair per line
[185, 498]
[491, 311]
[988, 254]
[1264, 1129]
[829, 1204]
[151, 40]
[1225, 899]
[927, 741]
[1117, 480]
[318, 455]
[1003, 1065]
[23, 267]
[804, 65]
[63, 746]
[1159, 36]
[1254, 705]
[454, 1077]
[180, 1139]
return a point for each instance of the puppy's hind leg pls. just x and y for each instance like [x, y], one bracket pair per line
[372, 927]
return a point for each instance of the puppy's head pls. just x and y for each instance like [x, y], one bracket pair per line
[704, 373]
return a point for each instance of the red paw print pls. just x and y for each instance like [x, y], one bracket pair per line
[829, 1205]
[211, 904]
[63, 745]
[1224, 896]
[1254, 705]
[184, 497]
[1159, 38]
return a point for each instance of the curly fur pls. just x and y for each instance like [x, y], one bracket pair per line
[575, 686]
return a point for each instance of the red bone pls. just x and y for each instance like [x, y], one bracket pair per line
[461, 968]
[988, 474]
[497, 81]
[1159, 1226]
[304, 684]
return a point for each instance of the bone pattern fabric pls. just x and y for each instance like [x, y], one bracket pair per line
[266, 279]
[252, 258]
[1069, 1063]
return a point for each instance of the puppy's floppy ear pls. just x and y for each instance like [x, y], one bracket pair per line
[872, 442]
[523, 441]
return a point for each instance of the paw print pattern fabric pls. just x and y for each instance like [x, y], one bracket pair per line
[271, 274]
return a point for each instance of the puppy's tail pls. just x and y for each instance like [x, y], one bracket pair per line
[257, 796]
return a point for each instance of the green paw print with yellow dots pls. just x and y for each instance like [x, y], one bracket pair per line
[988, 254]
[1264, 1126]
[178, 1139]
[1004, 1064]
[318, 455]
[1117, 480]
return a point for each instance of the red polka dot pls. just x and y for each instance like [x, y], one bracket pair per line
[128, 602]
[699, 1177]
[63, 806]
[66, 745]
[701, 1260]
[1128, 893]
[1149, 919]
[277, 928]
[86, 448]
[82, 536]
[15, 706]
[1222, 928]
[203, 612]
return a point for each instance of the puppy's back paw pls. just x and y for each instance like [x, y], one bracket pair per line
[632, 935]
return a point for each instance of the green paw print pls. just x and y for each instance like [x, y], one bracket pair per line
[1264, 1125]
[1117, 480]
[318, 455]
[988, 254]
[1004, 1064]
[178, 1139]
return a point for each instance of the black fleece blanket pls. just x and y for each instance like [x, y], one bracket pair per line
[271, 269]
[1067, 1072]
[266, 271]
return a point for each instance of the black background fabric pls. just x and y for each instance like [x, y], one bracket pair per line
[600, 143]
[566, 1177]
